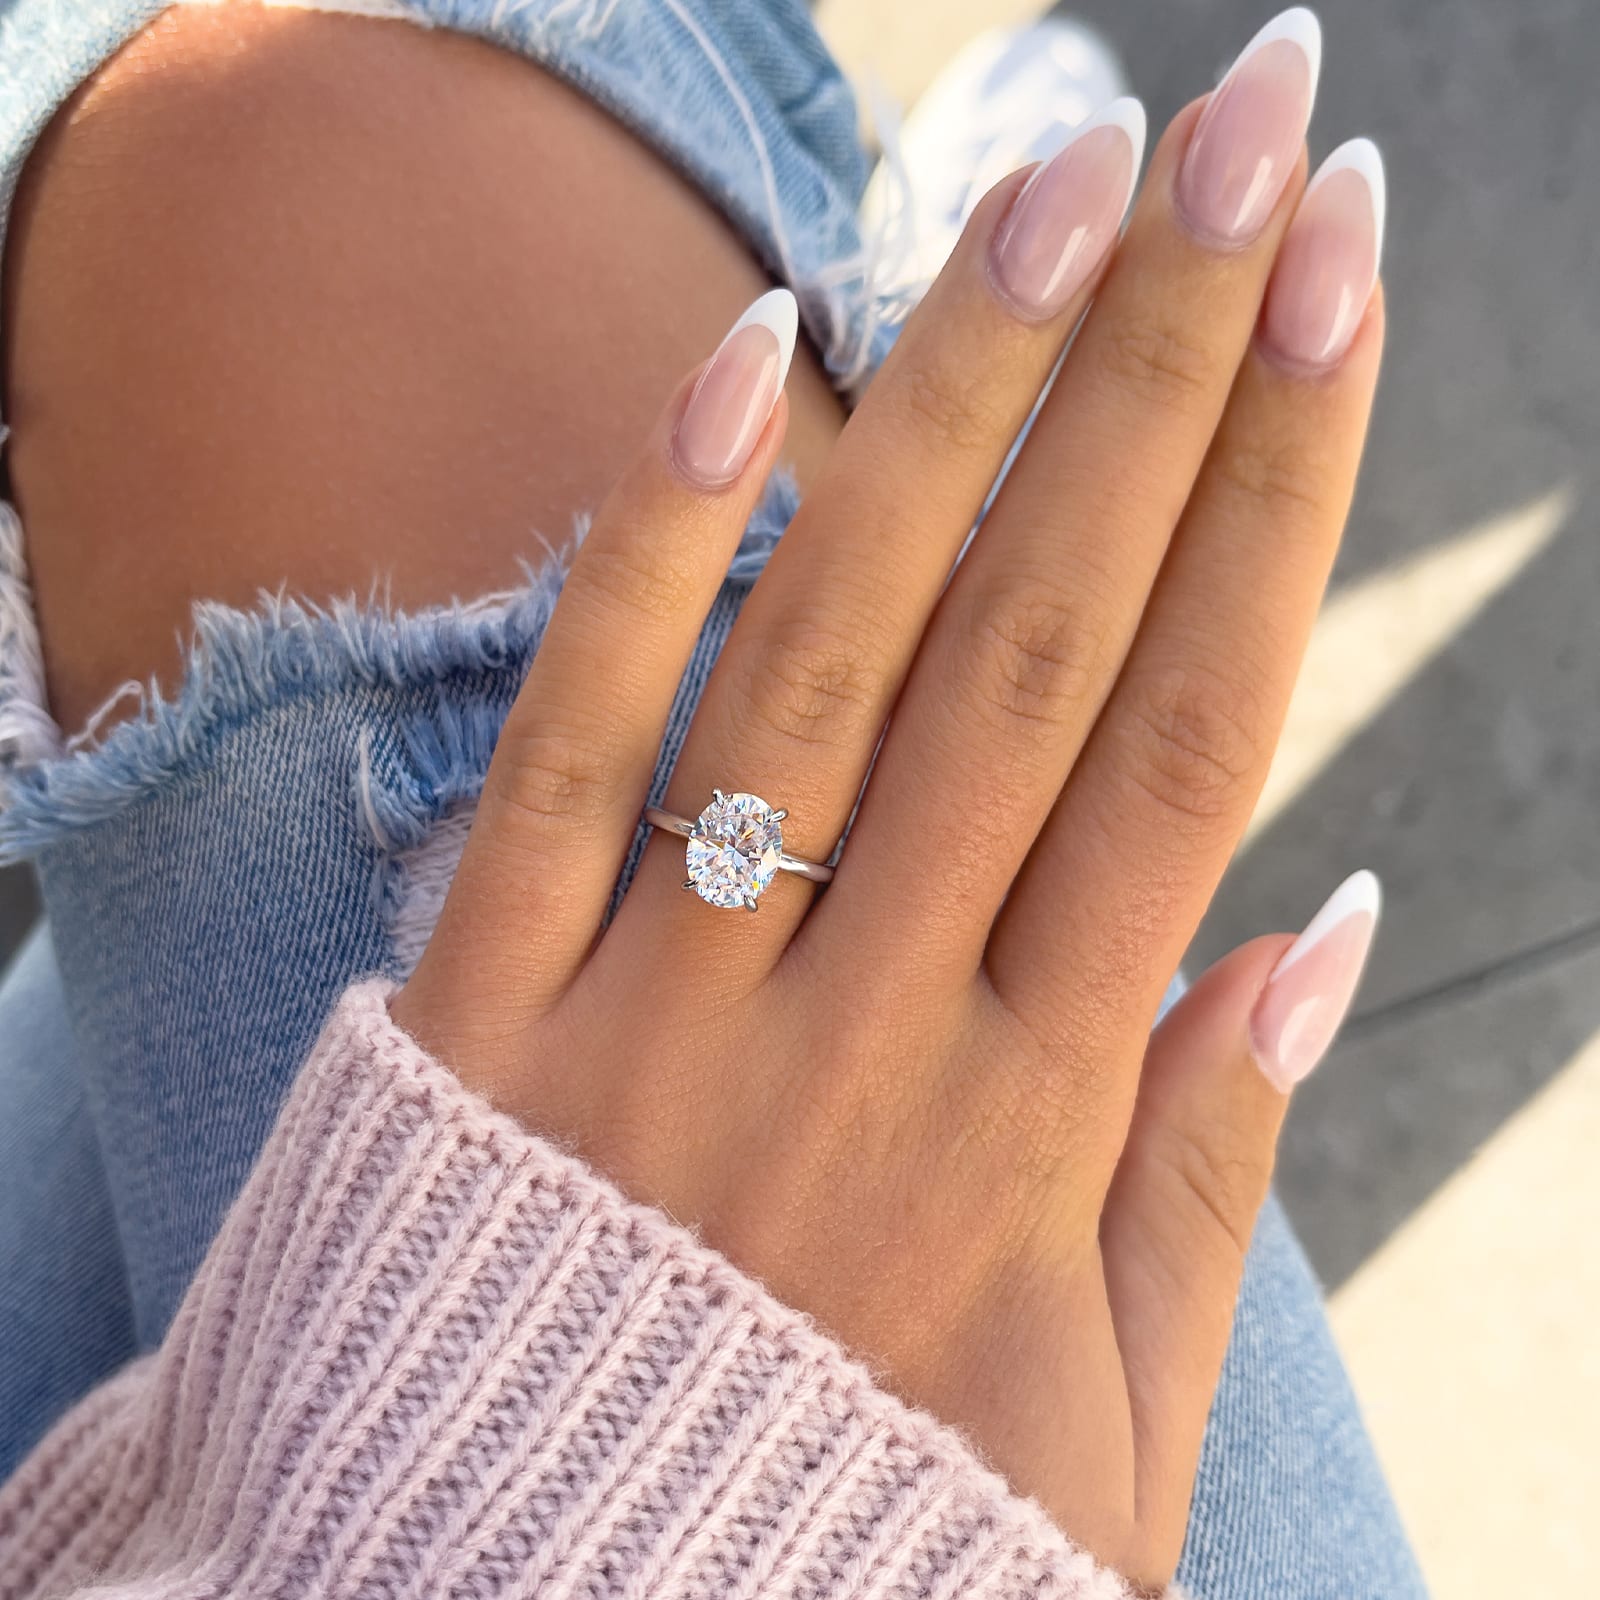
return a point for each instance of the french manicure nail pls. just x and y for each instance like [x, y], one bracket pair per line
[1249, 135]
[1310, 990]
[1067, 216]
[736, 392]
[1328, 262]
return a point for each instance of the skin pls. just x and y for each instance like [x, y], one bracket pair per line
[284, 301]
[925, 1106]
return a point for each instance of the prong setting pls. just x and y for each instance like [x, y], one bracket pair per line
[734, 849]
[735, 846]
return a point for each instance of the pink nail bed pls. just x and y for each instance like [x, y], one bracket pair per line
[1305, 1000]
[1068, 213]
[1250, 133]
[737, 390]
[1328, 263]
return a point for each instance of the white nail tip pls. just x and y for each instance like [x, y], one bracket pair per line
[779, 313]
[1361, 156]
[1299, 26]
[1359, 895]
[1126, 113]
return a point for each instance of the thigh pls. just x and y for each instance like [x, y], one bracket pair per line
[319, 301]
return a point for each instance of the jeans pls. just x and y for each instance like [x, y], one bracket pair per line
[218, 868]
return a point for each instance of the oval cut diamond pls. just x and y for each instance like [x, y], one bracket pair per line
[734, 852]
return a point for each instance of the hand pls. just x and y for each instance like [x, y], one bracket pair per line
[924, 1104]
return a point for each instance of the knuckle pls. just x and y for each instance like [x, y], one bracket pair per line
[1159, 359]
[951, 408]
[1050, 1093]
[1052, 1131]
[1279, 479]
[632, 571]
[1002, 1111]
[810, 683]
[1032, 656]
[553, 780]
[1225, 1181]
[1192, 744]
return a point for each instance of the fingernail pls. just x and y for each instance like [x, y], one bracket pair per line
[737, 390]
[1067, 216]
[1251, 130]
[1329, 260]
[1310, 990]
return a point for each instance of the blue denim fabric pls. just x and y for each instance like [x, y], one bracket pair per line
[219, 868]
[744, 98]
[65, 1317]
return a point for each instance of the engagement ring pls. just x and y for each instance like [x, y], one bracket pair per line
[735, 848]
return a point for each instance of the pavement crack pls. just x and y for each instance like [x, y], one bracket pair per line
[1530, 959]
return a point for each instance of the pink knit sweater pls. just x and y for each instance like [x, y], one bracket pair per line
[429, 1355]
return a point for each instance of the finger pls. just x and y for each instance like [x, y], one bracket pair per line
[797, 700]
[572, 766]
[1028, 639]
[1195, 1170]
[1155, 806]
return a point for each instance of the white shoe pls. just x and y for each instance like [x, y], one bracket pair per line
[1009, 97]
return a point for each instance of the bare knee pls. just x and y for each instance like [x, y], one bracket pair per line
[306, 298]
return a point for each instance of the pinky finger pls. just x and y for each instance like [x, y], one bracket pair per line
[1195, 1170]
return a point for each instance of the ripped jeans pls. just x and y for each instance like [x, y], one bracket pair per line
[217, 869]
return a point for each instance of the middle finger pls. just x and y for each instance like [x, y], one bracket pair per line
[1029, 636]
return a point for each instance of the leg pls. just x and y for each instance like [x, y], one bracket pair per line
[1290, 1500]
[312, 299]
[65, 1321]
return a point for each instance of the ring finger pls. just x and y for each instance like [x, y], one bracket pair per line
[803, 687]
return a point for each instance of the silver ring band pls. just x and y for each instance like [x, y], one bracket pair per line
[671, 822]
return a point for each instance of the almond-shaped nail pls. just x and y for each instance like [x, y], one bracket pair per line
[1068, 213]
[736, 392]
[1328, 262]
[1305, 1000]
[1249, 135]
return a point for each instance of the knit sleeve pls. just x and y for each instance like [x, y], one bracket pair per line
[430, 1355]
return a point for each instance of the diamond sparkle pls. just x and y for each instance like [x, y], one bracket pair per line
[734, 853]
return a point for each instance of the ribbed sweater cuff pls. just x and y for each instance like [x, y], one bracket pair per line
[429, 1354]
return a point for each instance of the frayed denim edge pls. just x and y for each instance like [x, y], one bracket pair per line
[238, 664]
